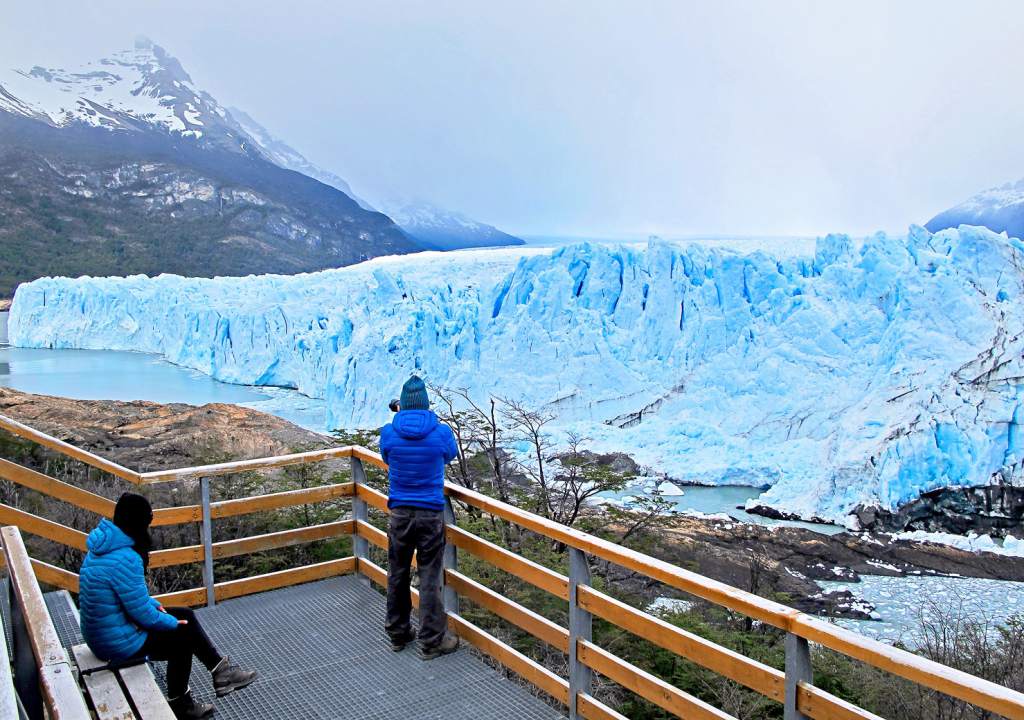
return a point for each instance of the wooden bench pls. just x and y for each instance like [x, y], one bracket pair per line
[121, 692]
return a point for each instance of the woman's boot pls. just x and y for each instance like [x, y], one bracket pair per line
[227, 677]
[186, 708]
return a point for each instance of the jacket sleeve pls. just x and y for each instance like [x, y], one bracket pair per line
[129, 582]
[385, 442]
[451, 450]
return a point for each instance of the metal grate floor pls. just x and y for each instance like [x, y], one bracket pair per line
[321, 653]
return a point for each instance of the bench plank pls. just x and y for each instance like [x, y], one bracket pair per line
[105, 692]
[146, 695]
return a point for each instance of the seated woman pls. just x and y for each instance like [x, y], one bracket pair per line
[121, 622]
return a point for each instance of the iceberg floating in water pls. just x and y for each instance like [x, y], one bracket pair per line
[867, 374]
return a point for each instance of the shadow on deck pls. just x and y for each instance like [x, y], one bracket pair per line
[320, 652]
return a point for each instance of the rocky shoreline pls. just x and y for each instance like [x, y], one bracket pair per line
[774, 561]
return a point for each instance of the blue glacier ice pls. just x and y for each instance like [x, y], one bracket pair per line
[866, 373]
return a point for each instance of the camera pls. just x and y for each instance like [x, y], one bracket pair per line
[393, 405]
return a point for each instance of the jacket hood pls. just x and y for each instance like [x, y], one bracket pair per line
[414, 424]
[106, 538]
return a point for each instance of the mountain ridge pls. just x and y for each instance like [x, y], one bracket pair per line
[124, 167]
[1000, 209]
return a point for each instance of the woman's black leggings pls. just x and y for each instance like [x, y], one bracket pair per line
[177, 647]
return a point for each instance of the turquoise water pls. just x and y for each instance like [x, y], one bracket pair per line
[112, 375]
[728, 499]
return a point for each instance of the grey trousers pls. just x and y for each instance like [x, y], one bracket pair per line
[421, 531]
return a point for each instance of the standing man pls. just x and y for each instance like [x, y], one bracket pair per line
[416, 446]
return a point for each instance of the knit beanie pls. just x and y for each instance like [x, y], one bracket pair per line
[414, 395]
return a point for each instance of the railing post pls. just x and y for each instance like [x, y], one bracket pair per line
[580, 628]
[360, 545]
[451, 560]
[204, 488]
[798, 669]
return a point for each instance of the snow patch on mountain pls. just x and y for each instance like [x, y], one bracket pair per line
[139, 85]
[867, 373]
[446, 229]
[999, 208]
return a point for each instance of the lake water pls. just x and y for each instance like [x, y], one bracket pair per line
[728, 499]
[112, 375]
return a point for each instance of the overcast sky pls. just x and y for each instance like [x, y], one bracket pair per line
[605, 118]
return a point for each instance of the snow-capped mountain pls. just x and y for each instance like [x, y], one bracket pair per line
[124, 166]
[434, 227]
[139, 89]
[446, 229]
[863, 374]
[999, 208]
[282, 154]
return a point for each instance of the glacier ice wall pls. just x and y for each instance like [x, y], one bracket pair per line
[868, 373]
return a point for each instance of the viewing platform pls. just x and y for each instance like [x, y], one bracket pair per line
[314, 632]
[320, 651]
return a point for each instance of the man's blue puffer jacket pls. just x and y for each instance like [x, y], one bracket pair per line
[416, 447]
[113, 599]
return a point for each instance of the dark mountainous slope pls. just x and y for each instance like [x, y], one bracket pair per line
[125, 168]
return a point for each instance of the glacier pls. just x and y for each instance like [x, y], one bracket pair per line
[864, 373]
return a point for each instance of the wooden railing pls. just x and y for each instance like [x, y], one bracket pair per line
[43, 676]
[793, 688]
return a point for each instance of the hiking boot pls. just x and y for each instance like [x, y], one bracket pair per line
[186, 708]
[399, 642]
[227, 677]
[449, 644]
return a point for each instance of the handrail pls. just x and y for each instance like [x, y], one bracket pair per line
[803, 628]
[52, 667]
[64, 448]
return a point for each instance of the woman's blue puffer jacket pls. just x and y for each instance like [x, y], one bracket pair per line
[113, 600]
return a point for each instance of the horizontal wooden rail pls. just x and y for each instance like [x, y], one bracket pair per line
[593, 709]
[280, 500]
[257, 503]
[817, 704]
[60, 690]
[40, 438]
[533, 573]
[55, 488]
[27, 522]
[647, 686]
[240, 466]
[373, 498]
[282, 538]
[53, 575]
[537, 625]
[262, 583]
[758, 677]
[375, 536]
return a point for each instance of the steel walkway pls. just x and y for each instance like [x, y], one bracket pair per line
[320, 652]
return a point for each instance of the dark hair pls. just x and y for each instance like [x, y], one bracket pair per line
[133, 514]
